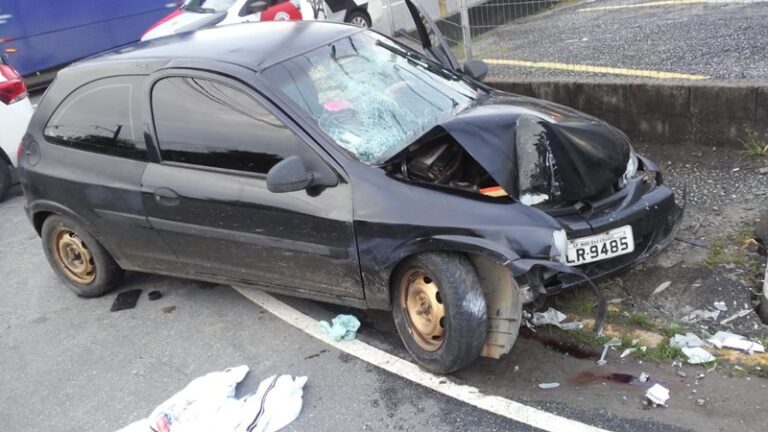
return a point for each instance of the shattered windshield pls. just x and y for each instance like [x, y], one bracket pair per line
[371, 96]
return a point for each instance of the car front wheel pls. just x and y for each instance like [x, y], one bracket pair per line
[78, 259]
[439, 310]
[359, 19]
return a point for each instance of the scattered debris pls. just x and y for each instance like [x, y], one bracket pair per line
[611, 343]
[209, 403]
[343, 327]
[657, 395]
[554, 317]
[602, 361]
[700, 402]
[154, 295]
[700, 315]
[763, 170]
[689, 340]
[723, 339]
[643, 377]
[661, 287]
[737, 315]
[681, 373]
[697, 355]
[720, 305]
[126, 300]
[627, 352]
[693, 242]
[547, 386]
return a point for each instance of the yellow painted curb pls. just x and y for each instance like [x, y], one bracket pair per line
[596, 69]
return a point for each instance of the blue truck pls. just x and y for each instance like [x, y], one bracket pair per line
[43, 35]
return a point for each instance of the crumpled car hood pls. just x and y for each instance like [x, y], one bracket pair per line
[530, 146]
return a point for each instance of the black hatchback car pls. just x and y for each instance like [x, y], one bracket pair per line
[326, 161]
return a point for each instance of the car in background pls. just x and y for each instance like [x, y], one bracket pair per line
[198, 14]
[15, 113]
[42, 35]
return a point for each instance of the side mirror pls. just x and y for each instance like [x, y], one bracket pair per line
[289, 175]
[477, 69]
[256, 7]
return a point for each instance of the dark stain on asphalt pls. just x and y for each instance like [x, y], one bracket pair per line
[560, 344]
[168, 309]
[345, 358]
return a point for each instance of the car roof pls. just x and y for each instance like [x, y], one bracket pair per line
[252, 45]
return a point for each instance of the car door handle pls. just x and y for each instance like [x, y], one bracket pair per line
[166, 197]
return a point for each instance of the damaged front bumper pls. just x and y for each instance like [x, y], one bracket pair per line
[655, 218]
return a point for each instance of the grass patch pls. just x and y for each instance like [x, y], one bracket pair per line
[662, 354]
[672, 330]
[719, 254]
[642, 321]
[755, 144]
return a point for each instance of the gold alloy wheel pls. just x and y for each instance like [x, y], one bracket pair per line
[73, 256]
[420, 298]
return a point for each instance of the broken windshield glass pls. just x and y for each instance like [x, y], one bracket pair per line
[371, 97]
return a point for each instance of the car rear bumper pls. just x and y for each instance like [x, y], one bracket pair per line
[655, 219]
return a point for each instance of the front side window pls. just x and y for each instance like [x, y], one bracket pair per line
[100, 118]
[204, 122]
[371, 96]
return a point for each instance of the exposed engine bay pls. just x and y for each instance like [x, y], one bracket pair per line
[442, 161]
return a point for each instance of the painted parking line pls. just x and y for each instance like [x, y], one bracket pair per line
[640, 5]
[494, 404]
[666, 3]
[596, 69]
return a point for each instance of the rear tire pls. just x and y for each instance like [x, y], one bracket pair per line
[359, 18]
[78, 259]
[439, 310]
[5, 180]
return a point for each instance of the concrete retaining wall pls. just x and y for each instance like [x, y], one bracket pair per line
[705, 113]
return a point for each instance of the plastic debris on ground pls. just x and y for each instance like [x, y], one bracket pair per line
[553, 317]
[661, 287]
[688, 340]
[724, 339]
[701, 315]
[643, 377]
[615, 342]
[343, 327]
[547, 386]
[126, 300]
[657, 395]
[720, 305]
[737, 315]
[697, 355]
[627, 352]
[208, 403]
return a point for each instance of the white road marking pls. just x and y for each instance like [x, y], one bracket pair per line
[393, 364]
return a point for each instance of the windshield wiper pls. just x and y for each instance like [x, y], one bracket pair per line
[419, 60]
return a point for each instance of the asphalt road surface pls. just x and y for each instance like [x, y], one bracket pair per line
[69, 364]
[716, 39]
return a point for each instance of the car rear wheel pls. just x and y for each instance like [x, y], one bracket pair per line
[5, 180]
[78, 259]
[439, 310]
[359, 19]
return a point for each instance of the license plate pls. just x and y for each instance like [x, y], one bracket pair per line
[618, 241]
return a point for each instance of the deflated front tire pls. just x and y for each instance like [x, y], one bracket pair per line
[439, 310]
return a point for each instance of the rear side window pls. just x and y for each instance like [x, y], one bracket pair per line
[204, 122]
[100, 117]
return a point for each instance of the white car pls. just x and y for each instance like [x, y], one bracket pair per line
[197, 14]
[15, 113]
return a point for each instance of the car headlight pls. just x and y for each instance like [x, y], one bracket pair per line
[560, 242]
[631, 168]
